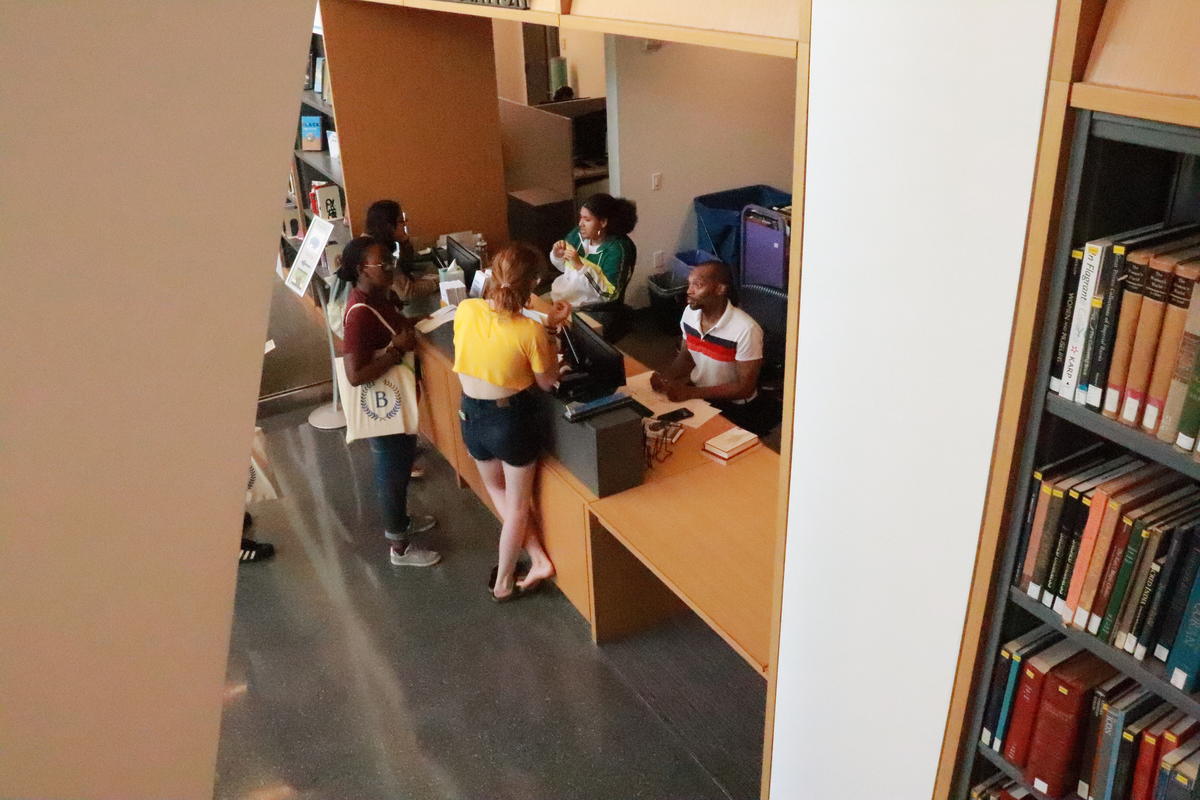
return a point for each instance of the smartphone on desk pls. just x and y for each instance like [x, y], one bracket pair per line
[678, 415]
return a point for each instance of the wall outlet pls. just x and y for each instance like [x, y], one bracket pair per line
[655, 181]
[660, 259]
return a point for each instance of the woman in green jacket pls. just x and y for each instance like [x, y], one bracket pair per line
[597, 257]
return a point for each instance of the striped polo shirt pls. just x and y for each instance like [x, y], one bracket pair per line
[735, 337]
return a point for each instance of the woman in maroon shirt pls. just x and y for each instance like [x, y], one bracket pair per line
[371, 349]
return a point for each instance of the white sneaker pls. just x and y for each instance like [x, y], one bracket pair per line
[414, 556]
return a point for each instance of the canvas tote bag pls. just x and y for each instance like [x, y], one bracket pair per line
[385, 405]
[262, 484]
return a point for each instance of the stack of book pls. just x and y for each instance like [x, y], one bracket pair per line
[999, 787]
[1112, 544]
[1072, 723]
[724, 447]
[1128, 334]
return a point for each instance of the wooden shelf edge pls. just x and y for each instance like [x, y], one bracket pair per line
[321, 162]
[745, 42]
[313, 100]
[1132, 439]
[493, 12]
[1125, 663]
[1002, 764]
[1173, 109]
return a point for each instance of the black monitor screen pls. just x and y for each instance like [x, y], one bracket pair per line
[589, 355]
[467, 259]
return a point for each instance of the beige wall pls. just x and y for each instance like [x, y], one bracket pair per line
[145, 165]
[584, 51]
[778, 18]
[510, 60]
[707, 119]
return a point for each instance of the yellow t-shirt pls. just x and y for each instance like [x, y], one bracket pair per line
[497, 347]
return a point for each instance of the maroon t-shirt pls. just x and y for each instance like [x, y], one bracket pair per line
[364, 333]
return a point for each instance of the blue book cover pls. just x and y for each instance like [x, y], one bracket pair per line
[1184, 660]
[310, 133]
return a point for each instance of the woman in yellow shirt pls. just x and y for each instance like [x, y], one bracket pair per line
[499, 354]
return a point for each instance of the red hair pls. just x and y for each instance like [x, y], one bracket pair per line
[514, 272]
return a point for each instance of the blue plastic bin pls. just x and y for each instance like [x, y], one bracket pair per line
[719, 218]
[683, 263]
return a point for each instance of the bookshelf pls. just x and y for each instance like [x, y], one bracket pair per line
[1123, 172]
[997, 760]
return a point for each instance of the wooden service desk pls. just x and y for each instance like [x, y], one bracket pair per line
[695, 534]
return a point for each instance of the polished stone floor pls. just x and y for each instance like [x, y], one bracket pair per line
[350, 679]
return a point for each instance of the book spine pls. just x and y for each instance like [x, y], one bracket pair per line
[1010, 692]
[1107, 747]
[1090, 733]
[1177, 602]
[1058, 559]
[1120, 583]
[1189, 415]
[1145, 344]
[1064, 583]
[1174, 318]
[1089, 339]
[1066, 310]
[1143, 608]
[1144, 768]
[1112, 567]
[1127, 323]
[1185, 652]
[1106, 329]
[1053, 745]
[1080, 316]
[1181, 375]
[1020, 726]
[1158, 602]
[1123, 774]
[1034, 543]
[1135, 588]
[1048, 543]
[1027, 526]
[1095, 570]
[1087, 544]
[991, 714]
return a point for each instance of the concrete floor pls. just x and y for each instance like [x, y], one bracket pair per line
[349, 678]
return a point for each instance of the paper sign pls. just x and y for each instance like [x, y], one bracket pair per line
[309, 256]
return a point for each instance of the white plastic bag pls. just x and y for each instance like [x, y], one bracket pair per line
[576, 287]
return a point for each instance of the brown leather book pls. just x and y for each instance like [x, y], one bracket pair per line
[1131, 489]
[1149, 327]
[1053, 766]
[1137, 264]
[1175, 314]
[1185, 361]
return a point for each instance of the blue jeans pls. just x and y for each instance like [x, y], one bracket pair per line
[393, 468]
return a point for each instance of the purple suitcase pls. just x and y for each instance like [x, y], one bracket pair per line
[765, 235]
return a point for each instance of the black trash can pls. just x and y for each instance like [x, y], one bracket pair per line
[666, 300]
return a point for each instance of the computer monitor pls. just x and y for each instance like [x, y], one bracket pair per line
[466, 257]
[597, 368]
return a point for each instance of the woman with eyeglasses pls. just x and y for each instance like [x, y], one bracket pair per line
[371, 349]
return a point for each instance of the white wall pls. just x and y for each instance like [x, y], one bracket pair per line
[584, 51]
[510, 60]
[923, 125]
[146, 157]
[707, 119]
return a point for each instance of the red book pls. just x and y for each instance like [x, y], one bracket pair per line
[1053, 766]
[1145, 769]
[1029, 697]
[1171, 739]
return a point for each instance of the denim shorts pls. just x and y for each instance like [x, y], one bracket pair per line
[504, 429]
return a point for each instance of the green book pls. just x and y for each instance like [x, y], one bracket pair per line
[1189, 416]
[1138, 536]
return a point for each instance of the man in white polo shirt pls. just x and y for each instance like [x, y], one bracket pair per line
[722, 353]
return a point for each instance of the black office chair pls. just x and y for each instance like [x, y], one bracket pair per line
[614, 316]
[768, 307]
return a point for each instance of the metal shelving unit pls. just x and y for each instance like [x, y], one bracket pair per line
[1122, 172]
